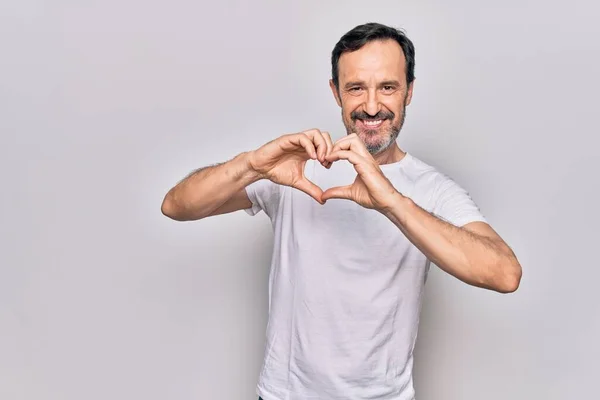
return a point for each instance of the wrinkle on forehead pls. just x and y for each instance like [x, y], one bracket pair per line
[375, 62]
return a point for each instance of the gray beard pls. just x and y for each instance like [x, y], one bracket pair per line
[382, 146]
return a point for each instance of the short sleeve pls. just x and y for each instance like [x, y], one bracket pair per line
[454, 204]
[264, 195]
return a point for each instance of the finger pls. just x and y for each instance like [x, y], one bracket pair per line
[340, 192]
[327, 137]
[310, 189]
[342, 144]
[342, 139]
[319, 141]
[302, 140]
[348, 155]
[352, 142]
[351, 136]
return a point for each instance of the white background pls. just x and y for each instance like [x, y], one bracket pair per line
[104, 105]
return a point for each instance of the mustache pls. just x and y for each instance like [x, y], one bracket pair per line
[366, 117]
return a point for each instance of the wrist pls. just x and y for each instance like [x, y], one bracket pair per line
[248, 166]
[396, 207]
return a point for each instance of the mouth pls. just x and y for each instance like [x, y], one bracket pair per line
[371, 124]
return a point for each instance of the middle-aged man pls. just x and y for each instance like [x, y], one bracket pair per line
[356, 225]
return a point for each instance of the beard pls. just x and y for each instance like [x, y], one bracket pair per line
[381, 138]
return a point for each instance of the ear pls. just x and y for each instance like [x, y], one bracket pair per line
[335, 92]
[409, 93]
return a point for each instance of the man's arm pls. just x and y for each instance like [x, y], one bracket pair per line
[211, 190]
[222, 188]
[474, 253]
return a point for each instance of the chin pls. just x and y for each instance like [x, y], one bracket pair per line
[376, 142]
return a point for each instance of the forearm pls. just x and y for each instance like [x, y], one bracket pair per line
[206, 189]
[470, 257]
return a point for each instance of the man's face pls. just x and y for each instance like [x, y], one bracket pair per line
[373, 93]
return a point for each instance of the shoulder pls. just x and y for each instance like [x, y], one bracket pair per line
[429, 186]
[425, 176]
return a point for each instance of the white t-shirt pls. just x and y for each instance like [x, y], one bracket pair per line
[345, 285]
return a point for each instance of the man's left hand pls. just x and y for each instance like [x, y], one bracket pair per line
[370, 189]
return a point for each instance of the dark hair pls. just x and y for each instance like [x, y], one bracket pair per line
[363, 34]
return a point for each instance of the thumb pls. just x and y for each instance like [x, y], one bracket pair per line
[339, 192]
[310, 189]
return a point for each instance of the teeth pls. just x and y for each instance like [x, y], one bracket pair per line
[372, 123]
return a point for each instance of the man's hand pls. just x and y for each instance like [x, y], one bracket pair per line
[371, 189]
[282, 160]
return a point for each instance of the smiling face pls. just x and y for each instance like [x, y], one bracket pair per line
[373, 93]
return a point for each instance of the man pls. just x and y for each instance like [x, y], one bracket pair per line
[357, 223]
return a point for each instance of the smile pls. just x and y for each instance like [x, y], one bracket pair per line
[372, 123]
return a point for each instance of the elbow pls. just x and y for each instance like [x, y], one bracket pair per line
[166, 208]
[175, 208]
[510, 279]
[169, 208]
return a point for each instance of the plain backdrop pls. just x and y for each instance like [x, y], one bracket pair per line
[105, 105]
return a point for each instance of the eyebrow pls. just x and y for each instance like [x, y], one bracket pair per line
[390, 83]
[352, 84]
[360, 83]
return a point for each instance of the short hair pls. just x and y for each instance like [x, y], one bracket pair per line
[363, 34]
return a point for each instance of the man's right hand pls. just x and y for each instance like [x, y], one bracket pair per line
[282, 160]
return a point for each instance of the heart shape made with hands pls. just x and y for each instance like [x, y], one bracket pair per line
[370, 188]
[309, 187]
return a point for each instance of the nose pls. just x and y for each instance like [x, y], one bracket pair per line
[372, 105]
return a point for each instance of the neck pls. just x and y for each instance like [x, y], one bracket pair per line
[390, 155]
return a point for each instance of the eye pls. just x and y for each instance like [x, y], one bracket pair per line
[354, 89]
[388, 88]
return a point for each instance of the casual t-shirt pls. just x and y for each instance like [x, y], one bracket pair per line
[345, 285]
